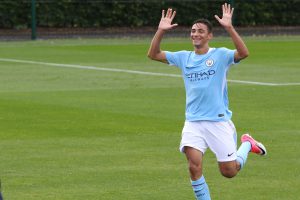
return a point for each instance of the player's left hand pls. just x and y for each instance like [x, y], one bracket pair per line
[226, 21]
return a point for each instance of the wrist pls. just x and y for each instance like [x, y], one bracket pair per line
[229, 28]
[160, 30]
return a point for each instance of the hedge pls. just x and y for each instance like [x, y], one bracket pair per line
[139, 13]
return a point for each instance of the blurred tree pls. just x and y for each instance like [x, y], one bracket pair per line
[138, 13]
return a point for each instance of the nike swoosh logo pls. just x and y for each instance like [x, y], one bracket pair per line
[229, 154]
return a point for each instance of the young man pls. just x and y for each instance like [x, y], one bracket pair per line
[208, 123]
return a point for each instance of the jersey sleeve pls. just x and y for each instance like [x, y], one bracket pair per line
[231, 56]
[228, 56]
[177, 59]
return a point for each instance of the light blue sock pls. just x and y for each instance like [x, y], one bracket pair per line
[243, 152]
[201, 189]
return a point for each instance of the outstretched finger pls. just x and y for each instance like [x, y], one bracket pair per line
[168, 12]
[173, 15]
[217, 18]
[162, 13]
[232, 11]
[223, 8]
[174, 25]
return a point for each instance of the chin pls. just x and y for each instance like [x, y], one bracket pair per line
[197, 45]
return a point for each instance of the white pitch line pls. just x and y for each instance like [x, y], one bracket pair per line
[88, 67]
[132, 71]
[263, 83]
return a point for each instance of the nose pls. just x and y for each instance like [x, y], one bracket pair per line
[196, 33]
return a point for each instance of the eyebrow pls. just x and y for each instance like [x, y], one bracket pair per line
[198, 29]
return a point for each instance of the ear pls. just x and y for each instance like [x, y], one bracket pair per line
[210, 36]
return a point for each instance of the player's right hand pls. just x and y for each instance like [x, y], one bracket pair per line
[166, 20]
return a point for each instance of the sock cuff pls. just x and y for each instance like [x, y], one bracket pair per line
[247, 143]
[201, 180]
[241, 161]
[242, 153]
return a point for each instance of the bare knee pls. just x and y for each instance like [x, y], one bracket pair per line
[229, 173]
[229, 169]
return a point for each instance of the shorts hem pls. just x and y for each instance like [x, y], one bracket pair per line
[181, 148]
[227, 160]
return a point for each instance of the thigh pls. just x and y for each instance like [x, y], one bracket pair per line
[193, 136]
[221, 139]
[193, 156]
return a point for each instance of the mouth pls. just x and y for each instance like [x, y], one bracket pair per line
[195, 38]
[196, 41]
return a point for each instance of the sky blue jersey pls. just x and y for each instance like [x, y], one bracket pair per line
[205, 82]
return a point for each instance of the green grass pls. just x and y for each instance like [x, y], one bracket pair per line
[70, 133]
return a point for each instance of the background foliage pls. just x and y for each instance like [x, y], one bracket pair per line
[138, 13]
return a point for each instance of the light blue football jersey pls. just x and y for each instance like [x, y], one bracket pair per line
[205, 82]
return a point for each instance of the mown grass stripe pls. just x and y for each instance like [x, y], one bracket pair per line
[133, 71]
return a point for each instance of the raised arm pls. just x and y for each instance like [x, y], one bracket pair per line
[165, 24]
[241, 49]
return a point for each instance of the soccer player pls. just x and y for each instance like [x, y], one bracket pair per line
[208, 119]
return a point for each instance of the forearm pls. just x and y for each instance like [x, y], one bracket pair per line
[238, 43]
[154, 51]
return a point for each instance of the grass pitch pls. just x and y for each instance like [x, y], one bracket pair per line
[68, 133]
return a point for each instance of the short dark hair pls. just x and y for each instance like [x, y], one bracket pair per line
[206, 22]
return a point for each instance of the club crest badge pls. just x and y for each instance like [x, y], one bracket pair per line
[209, 62]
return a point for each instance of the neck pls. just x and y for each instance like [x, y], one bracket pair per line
[201, 50]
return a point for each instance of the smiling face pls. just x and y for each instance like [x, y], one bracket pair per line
[200, 35]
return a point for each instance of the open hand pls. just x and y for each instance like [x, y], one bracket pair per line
[226, 20]
[166, 20]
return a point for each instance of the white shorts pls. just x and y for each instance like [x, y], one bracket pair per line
[219, 137]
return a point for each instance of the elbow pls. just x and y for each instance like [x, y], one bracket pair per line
[244, 54]
[156, 56]
[241, 55]
[151, 56]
